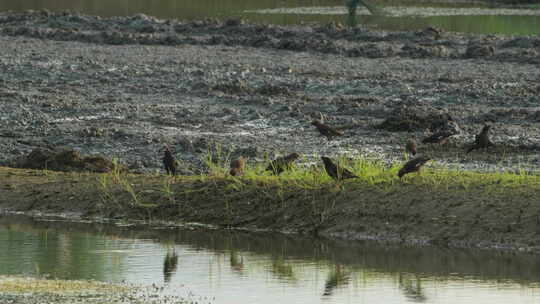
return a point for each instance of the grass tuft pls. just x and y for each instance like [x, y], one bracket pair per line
[304, 181]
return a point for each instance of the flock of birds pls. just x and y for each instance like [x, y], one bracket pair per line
[337, 172]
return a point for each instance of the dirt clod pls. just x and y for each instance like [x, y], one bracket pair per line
[65, 159]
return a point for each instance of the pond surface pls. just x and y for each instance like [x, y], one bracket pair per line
[241, 267]
[401, 15]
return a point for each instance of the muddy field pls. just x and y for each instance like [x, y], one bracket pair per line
[125, 87]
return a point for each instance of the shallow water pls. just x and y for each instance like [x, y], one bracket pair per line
[241, 267]
[408, 15]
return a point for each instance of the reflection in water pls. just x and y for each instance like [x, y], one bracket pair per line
[245, 267]
[169, 265]
[338, 277]
[412, 288]
[282, 270]
[201, 9]
[237, 261]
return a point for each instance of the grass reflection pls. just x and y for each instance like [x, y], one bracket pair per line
[68, 250]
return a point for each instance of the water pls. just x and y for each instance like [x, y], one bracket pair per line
[407, 15]
[241, 267]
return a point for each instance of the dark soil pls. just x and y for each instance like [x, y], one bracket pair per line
[124, 87]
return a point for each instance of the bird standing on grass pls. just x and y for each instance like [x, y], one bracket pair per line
[410, 146]
[414, 165]
[335, 171]
[280, 164]
[169, 162]
[482, 140]
[440, 138]
[237, 166]
[326, 130]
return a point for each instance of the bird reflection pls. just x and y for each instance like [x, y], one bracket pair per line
[236, 261]
[282, 269]
[336, 278]
[412, 288]
[169, 265]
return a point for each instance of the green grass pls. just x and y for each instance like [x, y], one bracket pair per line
[440, 203]
[309, 174]
[306, 181]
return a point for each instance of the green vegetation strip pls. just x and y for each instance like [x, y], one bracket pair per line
[440, 205]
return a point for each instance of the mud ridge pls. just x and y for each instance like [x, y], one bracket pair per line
[408, 212]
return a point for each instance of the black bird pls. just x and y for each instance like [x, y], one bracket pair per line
[414, 165]
[326, 130]
[440, 138]
[169, 162]
[335, 171]
[482, 140]
[280, 164]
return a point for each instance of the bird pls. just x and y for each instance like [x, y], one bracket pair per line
[414, 165]
[237, 166]
[335, 171]
[326, 130]
[438, 138]
[410, 146]
[280, 164]
[482, 140]
[169, 162]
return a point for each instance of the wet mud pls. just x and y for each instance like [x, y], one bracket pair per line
[124, 87]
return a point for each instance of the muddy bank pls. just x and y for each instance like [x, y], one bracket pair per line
[497, 214]
[125, 86]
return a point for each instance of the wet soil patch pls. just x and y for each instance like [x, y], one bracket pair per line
[125, 87]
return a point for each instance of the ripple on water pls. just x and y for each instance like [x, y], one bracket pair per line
[241, 267]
